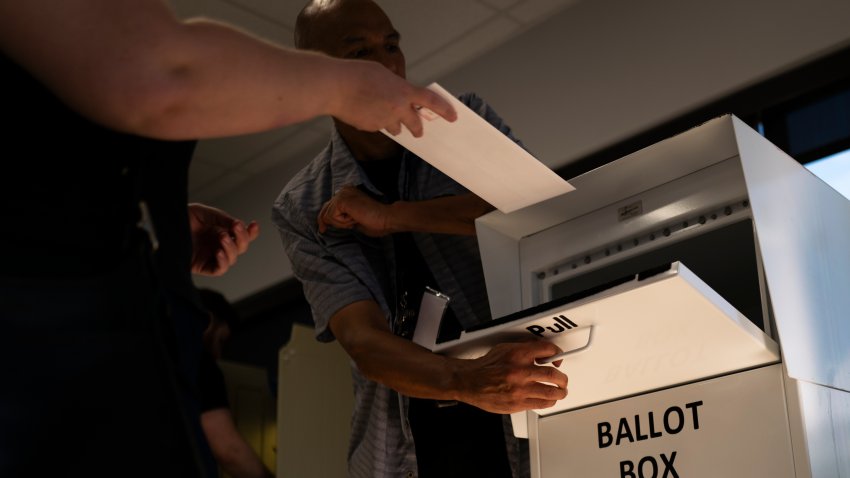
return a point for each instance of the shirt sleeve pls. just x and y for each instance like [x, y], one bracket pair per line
[328, 284]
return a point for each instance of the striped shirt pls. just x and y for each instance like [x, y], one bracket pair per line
[340, 267]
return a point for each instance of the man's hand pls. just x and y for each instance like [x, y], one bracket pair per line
[373, 98]
[508, 380]
[351, 208]
[217, 239]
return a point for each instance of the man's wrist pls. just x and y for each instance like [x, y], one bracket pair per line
[392, 215]
[455, 379]
[326, 72]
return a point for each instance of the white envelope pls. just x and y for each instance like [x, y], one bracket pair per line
[485, 161]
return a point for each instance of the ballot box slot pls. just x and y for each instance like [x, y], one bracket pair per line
[576, 296]
[653, 271]
[573, 297]
[724, 257]
[669, 231]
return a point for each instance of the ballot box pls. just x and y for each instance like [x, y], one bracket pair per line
[700, 290]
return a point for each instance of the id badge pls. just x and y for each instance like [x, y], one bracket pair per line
[431, 312]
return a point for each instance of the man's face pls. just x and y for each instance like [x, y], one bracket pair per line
[360, 30]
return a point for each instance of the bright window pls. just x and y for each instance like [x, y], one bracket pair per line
[834, 170]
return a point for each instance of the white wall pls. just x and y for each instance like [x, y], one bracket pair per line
[595, 74]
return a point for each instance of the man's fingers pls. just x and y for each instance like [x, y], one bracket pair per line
[540, 349]
[436, 103]
[228, 247]
[536, 396]
[345, 222]
[253, 231]
[243, 236]
[538, 403]
[239, 235]
[549, 375]
[329, 216]
[219, 264]
[545, 392]
[413, 123]
[394, 129]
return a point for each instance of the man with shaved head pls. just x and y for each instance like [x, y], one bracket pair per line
[368, 226]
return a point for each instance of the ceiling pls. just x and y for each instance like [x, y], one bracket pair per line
[437, 37]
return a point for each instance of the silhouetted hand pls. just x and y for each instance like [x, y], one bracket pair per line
[351, 208]
[217, 239]
[508, 379]
[378, 99]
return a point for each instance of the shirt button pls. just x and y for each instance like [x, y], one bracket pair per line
[410, 474]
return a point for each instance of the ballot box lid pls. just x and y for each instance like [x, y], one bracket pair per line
[656, 329]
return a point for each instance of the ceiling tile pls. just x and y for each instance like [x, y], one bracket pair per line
[533, 11]
[280, 11]
[474, 43]
[500, 4]
[428, 26]
[235, 14]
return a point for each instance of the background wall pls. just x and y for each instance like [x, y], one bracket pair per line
[314, 407]
[589, 76]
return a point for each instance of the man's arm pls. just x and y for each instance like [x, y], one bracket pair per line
[352, 208]
[506, 380]
[132, 66]
[229, 448]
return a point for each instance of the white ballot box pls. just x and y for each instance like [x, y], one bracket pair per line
[700, 289]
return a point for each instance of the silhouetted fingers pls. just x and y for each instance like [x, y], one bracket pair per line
[253, 231]
[218, 265]
[239, 235]
[228, 246]
[549, 375]
[436, 103]
[545, 392]
[394, 129]
[538, 403]
[413, 122]
[539, 349]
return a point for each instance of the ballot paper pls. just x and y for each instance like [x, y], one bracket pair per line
[481, 158]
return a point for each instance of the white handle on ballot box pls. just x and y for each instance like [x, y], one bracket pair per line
[519, 420]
